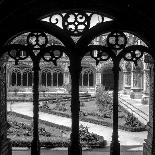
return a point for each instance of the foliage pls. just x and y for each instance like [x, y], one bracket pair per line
[60, 106]
[132, 95]
[43, 90]
[82, 104]
[68, 87]
[22, 129]
[21, 134]
[103, 99]
[91, 138]
[16, 90]
[125, 92]
[132, 121]
[145, 100]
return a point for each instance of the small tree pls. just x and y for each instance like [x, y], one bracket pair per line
[16, 90]
[132, 121]
[68, 87]
[103, 99]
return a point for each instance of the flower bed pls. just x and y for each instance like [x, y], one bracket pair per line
[95, 121]
[50, 134]
[101, 114]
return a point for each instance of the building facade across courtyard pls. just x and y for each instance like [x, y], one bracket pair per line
[133, 80]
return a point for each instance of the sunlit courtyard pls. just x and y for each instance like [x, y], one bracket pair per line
[55, 123]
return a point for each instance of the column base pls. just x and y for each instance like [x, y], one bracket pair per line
[115, 148]
[146, 148]
[35, 147]
[75, 149]
[6, 147]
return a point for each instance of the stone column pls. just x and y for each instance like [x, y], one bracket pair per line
[66, 73]
[75, 69]
[35, 145]
[153, 115]
[5, 143]
[132, 72]
[149, 145]
[115, 145]
[126, 82]
[66, 77]
[146, 85]
[146, 80]
[98, 78]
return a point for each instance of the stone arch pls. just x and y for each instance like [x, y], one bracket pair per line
[87, 78]
[119, 18]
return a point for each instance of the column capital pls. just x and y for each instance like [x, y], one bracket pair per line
[116, 68]
[75, 69]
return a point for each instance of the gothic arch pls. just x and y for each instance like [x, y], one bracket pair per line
[80, 46]
[87, 77]
[27, 77]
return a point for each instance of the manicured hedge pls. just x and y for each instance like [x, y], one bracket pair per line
[95, 121]
[20, 139]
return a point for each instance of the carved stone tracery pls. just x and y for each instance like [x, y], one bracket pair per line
[76, 23]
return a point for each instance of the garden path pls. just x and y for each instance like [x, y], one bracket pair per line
[125, 137]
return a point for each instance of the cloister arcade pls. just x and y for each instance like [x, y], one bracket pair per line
[54, 79]
[75, 30]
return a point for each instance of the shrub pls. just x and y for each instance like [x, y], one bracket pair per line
[68, 87]
[91, 139]
[103, 99]
[145, 100]
[132, 95]
[132, 121]
[82, 104]
[125, 92]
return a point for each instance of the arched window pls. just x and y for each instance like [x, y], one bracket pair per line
[27, 78]
[57, 78]
[46, 78]
[87, 78]
[13, 79]
[16, 78]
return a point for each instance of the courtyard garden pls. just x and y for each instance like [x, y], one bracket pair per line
[96, 110]
[51, 135]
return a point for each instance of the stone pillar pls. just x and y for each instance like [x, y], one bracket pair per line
[146, 80]
[126, 81]
[115, 145]
[136, 82]
[146, 85]
[98, 78]
[35, 145]
[132, 76]
[66, 77]
[66, 73]
[149, 145]
[5, 143]
[75, 70]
